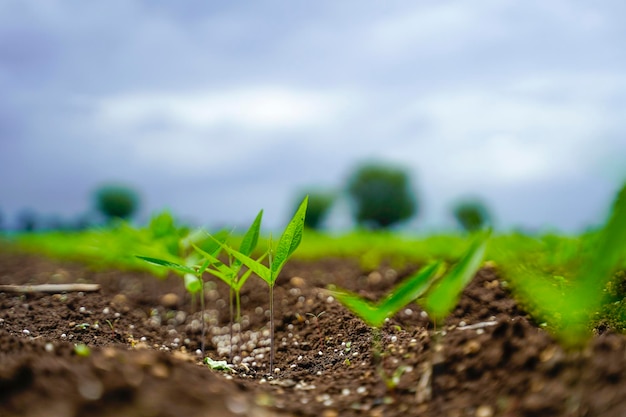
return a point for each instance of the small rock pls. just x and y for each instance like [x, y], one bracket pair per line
[471, 347]
[119, 300]
[484, 411]
[374, 278]
[297, 282]
[170, 300]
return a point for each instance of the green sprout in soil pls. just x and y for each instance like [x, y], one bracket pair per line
[193, 281]
[82, 350]
[571, 308]
[230, 273]
[287, 245]
[440, 299]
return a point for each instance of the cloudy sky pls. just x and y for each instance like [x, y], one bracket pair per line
[217, 109]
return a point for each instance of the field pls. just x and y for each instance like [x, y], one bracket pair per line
[529, 334]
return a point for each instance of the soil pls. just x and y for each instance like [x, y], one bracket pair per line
[487, 359]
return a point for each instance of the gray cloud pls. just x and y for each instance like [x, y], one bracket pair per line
[219, 109]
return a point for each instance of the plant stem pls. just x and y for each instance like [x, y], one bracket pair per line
[202, 313]
[271, 329]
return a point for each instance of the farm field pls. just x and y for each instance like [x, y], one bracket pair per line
[519, 340]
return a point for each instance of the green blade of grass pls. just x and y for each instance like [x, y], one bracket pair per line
[444, 296]
[362, 308]
[171, 265]
[290, 240]
[411, 288]
[586, 297]
[251, 238]
[374, 314]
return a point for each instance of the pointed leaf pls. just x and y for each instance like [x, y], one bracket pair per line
[251, 238]
[410, 289]
[444, 296]
[257, 267]
[290, 240]
[362, 308]
[171, 265]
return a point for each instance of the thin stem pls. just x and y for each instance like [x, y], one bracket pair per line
[271, 284]
[271, 329]
[230, 304]
[202, 313]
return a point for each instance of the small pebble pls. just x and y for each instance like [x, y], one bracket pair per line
[170, 300]
[484, 411]
[26, 332]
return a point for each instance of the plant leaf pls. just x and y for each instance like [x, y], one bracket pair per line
[251, 238]
[411, 288]
[171, 265]
[193, 285]
[444, 296]
[290, 239]
[257, 267]
[374, 314]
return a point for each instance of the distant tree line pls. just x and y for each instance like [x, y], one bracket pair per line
[382, 196]
[110, 203]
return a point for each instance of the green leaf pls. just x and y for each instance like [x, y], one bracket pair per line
[586, 296]
[244, 277]
[444, 296]
[374, 314]
[193, 283]
[290, 239]
[251, 238]
[171, 265]
[257, 267]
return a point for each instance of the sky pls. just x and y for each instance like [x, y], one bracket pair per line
[215, 110]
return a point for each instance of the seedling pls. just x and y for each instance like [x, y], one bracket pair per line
[440, 300]
[317, 323]
[82, 350]
[374, 314]
[193, 281]
[229, 273]
[287, 244]
[574, 305]
[445, 294]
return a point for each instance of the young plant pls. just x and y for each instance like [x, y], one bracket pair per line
[374, 314]
[574, 306]
[192, 276]
[444, 295]
[229, 273]
[287, 244]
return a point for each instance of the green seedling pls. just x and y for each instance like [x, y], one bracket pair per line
[230, 273]
[575, 305]
[193, 281]
[218, 365]
[82, 350]
[287, 244]
[317, 324]
[374, 314]
[444, 295]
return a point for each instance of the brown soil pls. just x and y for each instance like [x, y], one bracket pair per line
[144, 334]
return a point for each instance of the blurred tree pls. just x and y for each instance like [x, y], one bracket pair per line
[26, 221]
[381, 195]
[471, 214]
[116, 201]
[318, 207]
